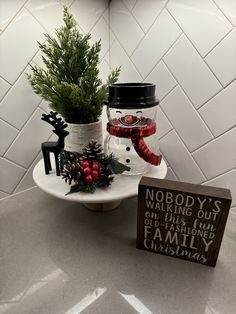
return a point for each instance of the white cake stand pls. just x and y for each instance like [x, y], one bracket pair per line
[123, 186]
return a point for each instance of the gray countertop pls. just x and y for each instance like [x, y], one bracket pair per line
[58, 257]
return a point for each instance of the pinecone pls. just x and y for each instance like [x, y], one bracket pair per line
[72, 171]
[105, 178]
[66, 156]
[93, 151]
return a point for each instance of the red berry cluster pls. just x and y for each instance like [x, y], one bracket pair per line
[91, 171]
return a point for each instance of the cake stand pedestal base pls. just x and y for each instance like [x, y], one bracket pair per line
[102, 207]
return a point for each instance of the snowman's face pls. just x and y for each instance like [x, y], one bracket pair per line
[128, 119]
[131, 117]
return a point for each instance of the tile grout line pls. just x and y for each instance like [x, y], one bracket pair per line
[20, 131]
[7, 194]
[14, 16]
[221, 175]
[14, 163]
[197, 109]
[149, 28]
[5, 80]
[72, 2]
[109, 32]
[186, 95]
[127, 54]
[12, 195]
[97, 19]
[202, 58]
[163, 110]
[102, 18]
[218, 7]
[134, 4]
[146, 32]
[215, 138]
[1, 118]
[170, 91]
[134, 17]
[23, 72]
[161, 137]
[215, 95]
[35, 18]
[25, 174]
[161, 59]
[190, 151]
[223, 38]
[18, 77]
[200, 116]
[3, 156]
[190, 154]
[165, 158]
[174, 172]
[231, 82]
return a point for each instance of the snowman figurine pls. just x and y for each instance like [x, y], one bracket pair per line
[131, 111]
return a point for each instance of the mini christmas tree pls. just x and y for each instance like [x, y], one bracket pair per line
[70, 82]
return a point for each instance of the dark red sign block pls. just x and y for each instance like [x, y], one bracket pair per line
[182, 220]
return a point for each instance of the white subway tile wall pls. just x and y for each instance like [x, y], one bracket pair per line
[22, 24]
[8, 9]
[146, 17]
[180, 159]
[189, 51]
[163, 124]
[19, 103]
[229, 9]
[222, 60]
[220, 112]
[124, 25]
[185, 119]
[201, 21]
[186, 47]
[163, 33]
[118, 56]
[88, 13]
[163, 79]
[47, 13]
[218, 156]
[191, 72]
[228, 180]
[4, 86]
[18, 45]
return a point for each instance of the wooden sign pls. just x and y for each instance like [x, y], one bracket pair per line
[181, 219]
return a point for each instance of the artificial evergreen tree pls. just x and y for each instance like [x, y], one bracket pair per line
[70, 82]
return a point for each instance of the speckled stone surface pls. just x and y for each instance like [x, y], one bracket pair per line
[58, 257]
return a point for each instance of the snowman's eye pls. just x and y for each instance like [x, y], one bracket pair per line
[118, 114]
[139, 114]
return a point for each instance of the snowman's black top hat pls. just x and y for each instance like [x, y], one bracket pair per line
[132, 95]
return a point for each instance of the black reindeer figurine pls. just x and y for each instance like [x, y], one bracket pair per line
[54, 147]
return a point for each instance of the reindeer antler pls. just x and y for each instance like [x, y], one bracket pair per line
[52, 119]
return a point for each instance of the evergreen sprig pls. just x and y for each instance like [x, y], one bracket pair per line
[70, 82]
[90, 170]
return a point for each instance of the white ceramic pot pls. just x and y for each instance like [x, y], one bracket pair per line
[82, 134]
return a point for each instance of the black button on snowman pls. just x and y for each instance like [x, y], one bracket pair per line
[131, 111]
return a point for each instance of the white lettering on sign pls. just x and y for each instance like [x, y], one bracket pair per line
[187, 225]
